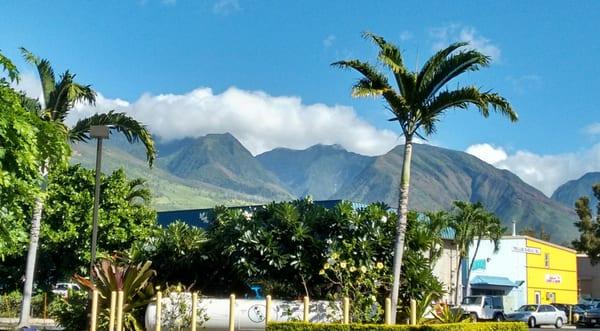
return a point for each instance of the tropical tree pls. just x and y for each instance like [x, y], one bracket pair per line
[419, 102]
[589, 226]
[58, 99]
[472, 222]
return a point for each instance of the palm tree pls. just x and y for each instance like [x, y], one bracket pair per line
[417, 105]
[58, 99]
[473, 222]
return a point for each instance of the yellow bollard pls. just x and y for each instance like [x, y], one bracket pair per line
[158, 310]
[306, 305]
[346, 311]
[94, 316]
[413, 312]
[232, 312]
[388, 311]
[194, 308]
[268, 310]
[119, 310]
[113, 310]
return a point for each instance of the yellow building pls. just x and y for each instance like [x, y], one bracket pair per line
[524, 270]
[551, 273]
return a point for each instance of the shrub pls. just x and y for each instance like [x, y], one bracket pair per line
[71, 312]
[491, 326]
[10, 304]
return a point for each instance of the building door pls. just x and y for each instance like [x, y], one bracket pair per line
[538, 297]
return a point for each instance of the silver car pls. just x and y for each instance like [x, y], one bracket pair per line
[535, 315]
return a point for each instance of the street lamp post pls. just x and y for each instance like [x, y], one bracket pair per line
[99, 132]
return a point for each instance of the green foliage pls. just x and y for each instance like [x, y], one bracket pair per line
[422, 250]
[118, 274]
[472, 222]
[177, 251]
[71, 312]
[124, 217]
[280, 245]
[9, 67]
[487, 326]
[358, 260]
[177, 309]
[443, 313]
[10, 304]
[589, 226]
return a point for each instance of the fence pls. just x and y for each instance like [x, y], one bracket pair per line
[116, 311]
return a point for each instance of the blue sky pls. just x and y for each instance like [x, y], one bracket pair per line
[277, 54]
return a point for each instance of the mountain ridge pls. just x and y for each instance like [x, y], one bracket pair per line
[439, 176]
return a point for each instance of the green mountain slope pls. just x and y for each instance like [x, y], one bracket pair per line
[440, 176]
[170, 192]
[572, 190]
[320, 170]
[221, 160]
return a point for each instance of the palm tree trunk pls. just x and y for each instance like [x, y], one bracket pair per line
[401, 223]
[471, 266]
[31, 259]
[458, 287]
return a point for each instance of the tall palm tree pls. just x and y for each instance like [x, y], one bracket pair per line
[58, 99]
[472, 222]
[420, 100]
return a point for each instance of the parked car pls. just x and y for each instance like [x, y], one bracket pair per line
[575, 310]
[589, 318]
[483, 307]
[62, 289]
[535, 315]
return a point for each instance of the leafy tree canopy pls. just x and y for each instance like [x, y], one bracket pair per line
[589, 227]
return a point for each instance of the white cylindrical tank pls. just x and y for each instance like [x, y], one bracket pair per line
[249, 313]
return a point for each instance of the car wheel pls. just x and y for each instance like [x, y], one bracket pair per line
[499, 317]
[473, 317]
[559, 323]
[531, 322]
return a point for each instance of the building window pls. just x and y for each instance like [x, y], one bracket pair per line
[538, 297]
[547, 260]
[551, 296]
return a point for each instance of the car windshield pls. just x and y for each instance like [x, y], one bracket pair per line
[528, 308]
[60, 287]
[471, 301]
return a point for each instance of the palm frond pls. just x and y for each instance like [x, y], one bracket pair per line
[132, 130]
[364, 88]
[45, 72]
[10, 68]
[433, 62]
[138, 191]
[377, 79]
[465, 97]
[66, 94]
[449, 68]
[391, 56]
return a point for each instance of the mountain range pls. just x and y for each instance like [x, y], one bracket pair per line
[217, 169]
[569, 192]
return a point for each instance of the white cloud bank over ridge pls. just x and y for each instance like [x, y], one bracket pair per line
[544, 172]
[260, 121]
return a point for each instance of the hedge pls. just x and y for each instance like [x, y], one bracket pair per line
[482, 326]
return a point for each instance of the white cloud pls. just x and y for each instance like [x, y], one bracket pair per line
[328, 42]
[226, 7]
[260, 121]
[592, 129]
[445, 35]
[544, 172]
[487, 153]
[30, 84]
